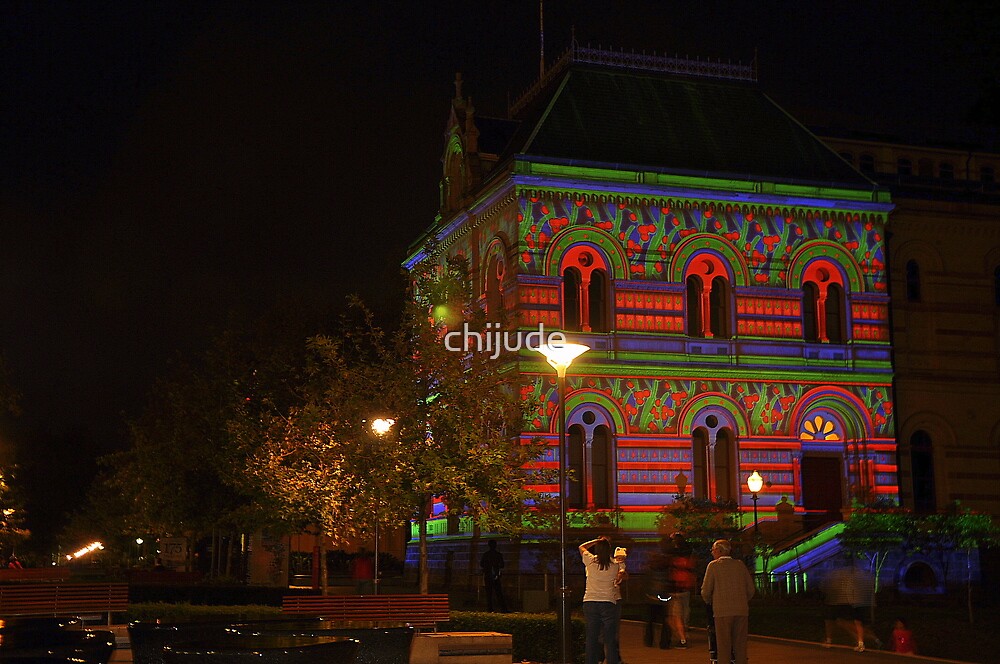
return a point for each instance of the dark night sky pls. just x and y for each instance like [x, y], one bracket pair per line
[164, 163]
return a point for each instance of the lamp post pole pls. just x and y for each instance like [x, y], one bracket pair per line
[561, 356]
[381, 428]
[754, 483]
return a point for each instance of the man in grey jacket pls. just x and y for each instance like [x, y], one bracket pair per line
[728, 587]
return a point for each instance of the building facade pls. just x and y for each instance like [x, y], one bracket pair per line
[726, 268]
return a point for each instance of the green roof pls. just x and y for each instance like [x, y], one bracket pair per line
[642, 120]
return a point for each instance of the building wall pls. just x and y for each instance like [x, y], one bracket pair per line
[946, 323]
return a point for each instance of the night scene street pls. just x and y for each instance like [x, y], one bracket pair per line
[492, 332]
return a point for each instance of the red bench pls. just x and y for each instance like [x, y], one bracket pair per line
[35, 574]
[416, 610]
[55, 599]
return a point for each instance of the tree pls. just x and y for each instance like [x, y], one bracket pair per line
[12, 513]
[474, 404]
[874, 531]
[958, 529]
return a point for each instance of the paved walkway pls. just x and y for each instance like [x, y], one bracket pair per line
[761, 650]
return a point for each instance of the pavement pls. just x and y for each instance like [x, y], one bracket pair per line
[760, 650]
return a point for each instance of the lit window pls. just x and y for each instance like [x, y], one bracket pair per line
[586, 291]
[709, 297]
[824, 304]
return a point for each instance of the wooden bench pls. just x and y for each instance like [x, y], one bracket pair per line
[35, 574]
[415, 610]
[53, 599]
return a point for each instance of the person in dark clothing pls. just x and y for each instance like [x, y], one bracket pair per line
[492, 565]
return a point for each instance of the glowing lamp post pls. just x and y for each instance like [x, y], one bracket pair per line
[380, 427]
[561, 356]
[754, 483]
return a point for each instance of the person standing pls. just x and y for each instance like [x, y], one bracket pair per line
[728, 587]
[492, 566]
[682, 582]
[600, 599]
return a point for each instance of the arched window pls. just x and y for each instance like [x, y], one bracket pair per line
[824, 304]
[590, 464]
[835, 314]
[574, 468]
[598, 293]
[996, 285]
[600, 469]
[810, 295]
[946, 170]
[719, 308]
[866, 163]
[725, 465]
[699, 454]
[922, 470]
[494, 288]
[709, 296]
[586, 291]
[571, 299]
[904, 166]
[912, 281]
[694, 306]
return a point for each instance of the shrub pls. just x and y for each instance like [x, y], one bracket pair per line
[535, 636]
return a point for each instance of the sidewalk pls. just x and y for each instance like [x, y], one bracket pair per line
[761, 650]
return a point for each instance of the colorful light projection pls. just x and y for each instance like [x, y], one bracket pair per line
[765, 236]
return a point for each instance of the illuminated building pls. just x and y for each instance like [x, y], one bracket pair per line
[726, 267]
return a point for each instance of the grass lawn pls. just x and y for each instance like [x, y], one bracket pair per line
[940, 627]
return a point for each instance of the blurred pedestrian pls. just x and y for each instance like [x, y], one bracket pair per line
[682, 581]
[658, 596]
[363, 572]
[902, 638]
[728, 587]
[492, 565]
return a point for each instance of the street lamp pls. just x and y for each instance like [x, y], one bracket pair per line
[380, 427]
[561, 356]
[754, 483]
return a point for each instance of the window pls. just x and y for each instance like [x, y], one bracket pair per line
[709, 297]
[922, 472]
[810, 296]
[586, 291]
[725, 465]
[848, 157]
[694, 306]
[912, 281]
[718, 300]
[494, 288]
[996, 286]
[904, 166]
[824, 304]
[589, 465]
[925, 168]
[866, 163]
[946, 171]
[986, 174]
[699, 454]
[835, 314]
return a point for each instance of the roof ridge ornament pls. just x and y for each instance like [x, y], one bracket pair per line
[638, 62]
